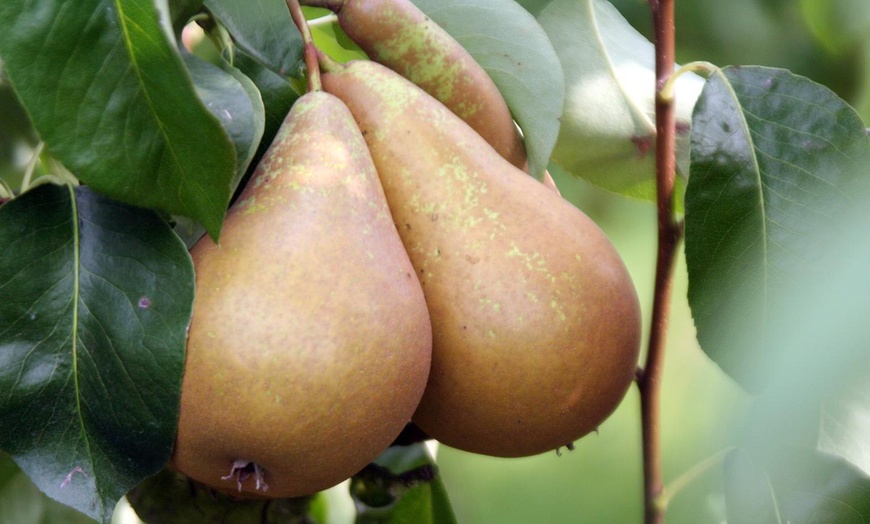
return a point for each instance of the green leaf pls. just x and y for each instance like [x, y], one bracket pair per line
[171, 498]
[21, 502]
[510, 45]
[795, 486]
[234, 99]
[111, 98]
[264, 30]
[608, 124]
[775, 158]
[404, 493]
[97, 301]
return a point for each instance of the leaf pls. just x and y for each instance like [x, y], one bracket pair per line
[235, 101]
[21, 502]
[795, 486]
[608, 123]
[97, 301]
[171, 498]
[109, 95]
[264, 30]
[403, 493]
[775, 159]
[507, 42]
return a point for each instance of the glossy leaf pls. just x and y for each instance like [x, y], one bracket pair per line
[608, 126]
[510, 45]
[795, 486]
[264, 30]
[109, 95]
[234, 99]
[97, 298]
[775, 157]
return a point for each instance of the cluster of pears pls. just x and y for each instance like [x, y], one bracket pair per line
[386, 263]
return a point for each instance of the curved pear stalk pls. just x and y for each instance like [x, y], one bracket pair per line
[310, 341]
[535, 337]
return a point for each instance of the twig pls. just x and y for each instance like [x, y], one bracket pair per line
[669, 235]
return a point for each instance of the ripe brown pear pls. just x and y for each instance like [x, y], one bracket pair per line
[536, 323]
[397, 34]
[310, 341]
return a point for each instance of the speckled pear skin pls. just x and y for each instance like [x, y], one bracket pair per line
[400, 36]
[310, 342]
[536, 322]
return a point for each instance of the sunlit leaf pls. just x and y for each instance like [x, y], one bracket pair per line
[507, 42]
[608, 126]
[97, 297]
[775, 159]
[109, 95]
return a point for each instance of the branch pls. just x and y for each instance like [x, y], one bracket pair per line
[669, 235]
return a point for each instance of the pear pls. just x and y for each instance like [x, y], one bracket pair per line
[399, 35]
[310, 341]
[536, 322]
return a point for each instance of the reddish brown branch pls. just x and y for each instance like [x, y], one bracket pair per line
[669, 235]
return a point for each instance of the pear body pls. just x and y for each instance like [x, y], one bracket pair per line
[536, 323]
[310, 341]
[398, 34]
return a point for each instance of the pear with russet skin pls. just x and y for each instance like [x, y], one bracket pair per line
[536, 323]
[310, 341]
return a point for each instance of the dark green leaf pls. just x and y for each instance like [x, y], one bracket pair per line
[21, 502]
[795, 486]
[171, 498]
[109, 95]
[235, 101]
[264, 30]
[97, 300]
[511, 46]
[775, 158]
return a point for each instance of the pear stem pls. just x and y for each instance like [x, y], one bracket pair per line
[310, 52]
[670, 232]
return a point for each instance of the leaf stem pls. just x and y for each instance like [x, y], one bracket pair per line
[310, 55]
[702, 68]
[669, 236]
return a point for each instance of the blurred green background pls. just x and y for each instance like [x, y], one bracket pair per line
[704, 411]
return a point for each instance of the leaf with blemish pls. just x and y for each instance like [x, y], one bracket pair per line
[97, 298]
